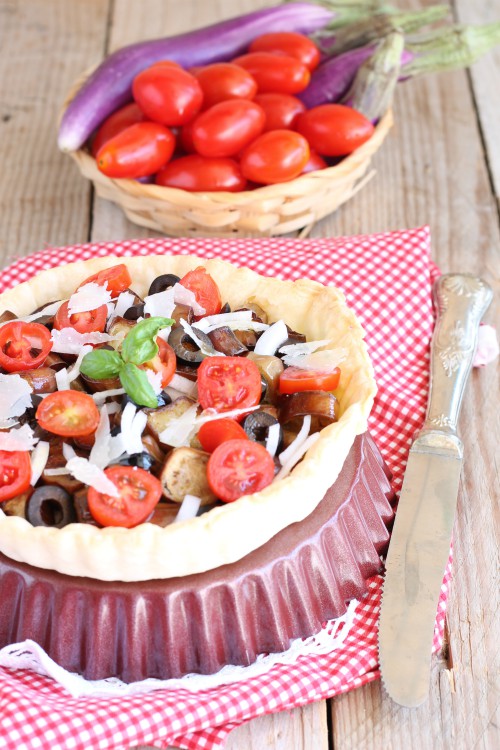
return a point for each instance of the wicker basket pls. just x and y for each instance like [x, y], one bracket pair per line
[265, 211]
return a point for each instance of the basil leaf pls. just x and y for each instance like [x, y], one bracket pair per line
[101, 363]
[137, 385]
[139, 345]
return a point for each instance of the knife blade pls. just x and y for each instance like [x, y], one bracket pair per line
[421, 536]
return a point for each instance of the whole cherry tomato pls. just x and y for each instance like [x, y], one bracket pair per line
[202, 174]
[15, 473]
[186, 138]
[222, 81]
[204, 289]
[167, 94]
[227, 127]
[315, 162]
[139, 492]
[239, 467]
[138, 151]
[120, 120]
[289, 43]
[276, 156]
[281, 110]
[23, 346]
[334, 129]
[275, 72]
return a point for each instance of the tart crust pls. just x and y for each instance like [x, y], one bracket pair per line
[227, 533]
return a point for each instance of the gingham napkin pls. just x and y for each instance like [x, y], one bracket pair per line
[387, 281]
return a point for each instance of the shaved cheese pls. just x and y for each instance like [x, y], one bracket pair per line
[295, 458]
[62, 380]
[90, 474]
[164, 333]
[188, 508]
[99, 455]
[210, 322]
[273, 439]
[59, 472]
[295, 445]
[203, 347]
[39, 459]
[47, 310]
[15, 396]
[68, 451]
[88, 297]
[325, 361]
[160, 304]
[74, 370]
[19, 439]
[272, 339]
[184, 385]
[234, 325]
[154, 380]
[180, 430]
[123, 302]
[6, 424]
[132, 426]
[209, 415]
[185, 296]
[113, 407]
[103, 395]
[304, 347]
[69, 341]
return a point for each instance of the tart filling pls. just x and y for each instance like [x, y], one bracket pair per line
[228, 532]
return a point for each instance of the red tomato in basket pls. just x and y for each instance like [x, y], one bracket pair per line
[226, 383]
[212, 434]
[281, 110]
[138, 493]
[334, 129]
[239, 467]
[315, 162]
[138, 151]
[222, 81]
[23, 346]
[167, 94]
[289, 43]
[227, 127]
[120, 120]
[202, 174]
[277, 156]
[275, 72]
[15, 473]
[204, 289]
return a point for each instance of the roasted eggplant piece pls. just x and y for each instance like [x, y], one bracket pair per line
[182, 312]
[16, 506]
[321, 405]
[270, 368]
[50, 506]
[41, 380]
[185, 473]
[293, 337]
[6, 316]
[120, 327]
[55, 362]
[224, 340]
[164, 514]
[165, 281]
[82, 511]
[159, 419]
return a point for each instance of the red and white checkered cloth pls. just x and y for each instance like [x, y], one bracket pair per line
[387, 281]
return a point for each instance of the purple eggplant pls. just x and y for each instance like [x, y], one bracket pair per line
[109, 87]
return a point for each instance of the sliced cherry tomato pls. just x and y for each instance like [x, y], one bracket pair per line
[204, 289]
[294, 379]
[227, 127]
[139, 492]
[138, 151]
[334, 129]
[123, 118]
[226, 383]
[281, 110]
[276, 156]
[212, 434]
[201, 173]
[68, 413]
[83, 322]
[239, 467]
[275, 72]
[222, 81]
[116, 279]
[165, 362]
[15, 473]
[315, 162]
[23, 346]
[167, 94]
[289, 43]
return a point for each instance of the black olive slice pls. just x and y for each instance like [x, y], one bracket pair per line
[134, 312]
[257, 424]
[186, 349]
[50, 506]
[143, 460]
[165, 281]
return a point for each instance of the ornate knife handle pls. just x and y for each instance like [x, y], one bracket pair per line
[461, 301]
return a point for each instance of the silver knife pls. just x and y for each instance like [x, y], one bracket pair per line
[420, 540]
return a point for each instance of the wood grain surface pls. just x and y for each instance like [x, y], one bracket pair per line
[439, 166]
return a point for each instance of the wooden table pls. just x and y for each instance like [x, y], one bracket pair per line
[440, 166]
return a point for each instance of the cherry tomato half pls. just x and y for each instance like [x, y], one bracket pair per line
[294, 379]
[222, 81]
[289, 43]
[23, 346]
[138, 151]
[239, 467]
[281, 110]
[212, 434]
[123, 118]
[275, 72]
[167, 94]
[201, 173]
[226, 383]
[334, 129]
[116, 279]
[204, 289]
[315, 162]
[276, 156]
[68, 413]
[83, 322]
[139, 492]
[165, 362]
[15, 473]
[227, 127]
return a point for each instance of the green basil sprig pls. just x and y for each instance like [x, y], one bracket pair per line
[138, 347]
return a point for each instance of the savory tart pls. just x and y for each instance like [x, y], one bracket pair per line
[228, 530]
